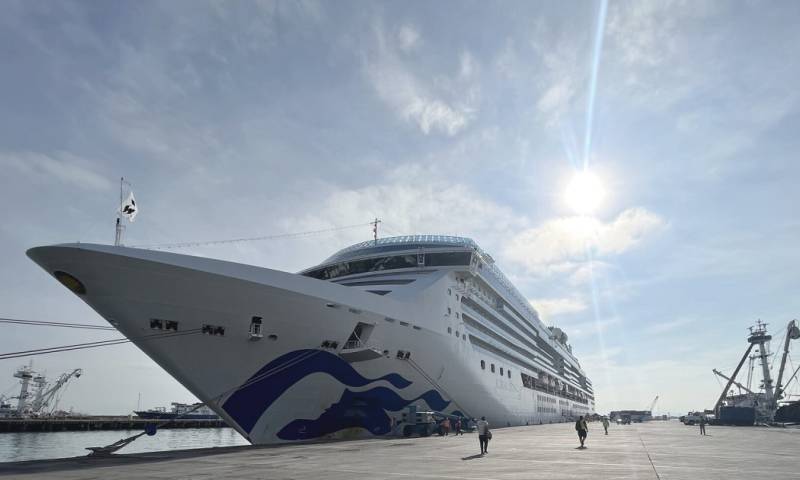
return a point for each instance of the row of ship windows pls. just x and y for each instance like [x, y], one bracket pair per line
[483, 367]
[462, 335]
[543, 398]
[546, 410]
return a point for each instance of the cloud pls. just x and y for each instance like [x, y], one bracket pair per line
[63, 166]
[663, 327]
[432, 204]
[410, 97]
[408, 37]
[557, 245]
[552, 307]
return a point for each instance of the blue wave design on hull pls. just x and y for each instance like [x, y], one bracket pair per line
[248, 404]
[366, 410]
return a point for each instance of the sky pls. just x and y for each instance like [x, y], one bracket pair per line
[241, 119]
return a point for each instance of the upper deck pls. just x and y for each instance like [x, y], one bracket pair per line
[415, 251]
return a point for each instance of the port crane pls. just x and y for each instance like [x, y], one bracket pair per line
[652, 406]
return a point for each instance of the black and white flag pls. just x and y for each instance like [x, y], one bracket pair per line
[129, 208]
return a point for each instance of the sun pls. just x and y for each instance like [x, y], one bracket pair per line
[585, 193]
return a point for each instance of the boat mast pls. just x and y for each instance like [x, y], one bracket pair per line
[759, 336]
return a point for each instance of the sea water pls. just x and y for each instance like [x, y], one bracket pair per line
[20, 446]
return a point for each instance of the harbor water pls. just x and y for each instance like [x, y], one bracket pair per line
[16, 447]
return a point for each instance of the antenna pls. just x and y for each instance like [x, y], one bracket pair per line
[375, 229]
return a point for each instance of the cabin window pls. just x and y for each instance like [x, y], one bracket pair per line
[448, 291]
[255, 328]
[457, 334]
[483, 365]
[492, 368]
[501, 371]
[449, 330]
[448, 310]
[509, 373]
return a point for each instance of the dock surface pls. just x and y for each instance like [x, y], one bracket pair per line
[655, 450]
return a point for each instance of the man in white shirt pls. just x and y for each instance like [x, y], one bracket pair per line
[483, 434]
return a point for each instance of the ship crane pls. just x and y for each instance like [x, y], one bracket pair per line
[46, 395]
[792, 333]
[746, 389]
[772, 393]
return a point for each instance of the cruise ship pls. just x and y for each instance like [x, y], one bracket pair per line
[341, 349]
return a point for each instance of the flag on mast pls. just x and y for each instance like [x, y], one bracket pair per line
[129, 208]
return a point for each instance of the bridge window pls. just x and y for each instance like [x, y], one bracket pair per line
[389, 263]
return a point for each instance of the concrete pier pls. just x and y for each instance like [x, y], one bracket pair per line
[56, 424]
[655, 450]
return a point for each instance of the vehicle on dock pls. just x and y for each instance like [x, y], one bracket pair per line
[692, 418]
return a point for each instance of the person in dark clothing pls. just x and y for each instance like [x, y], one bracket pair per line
[703, 425]
[458, 427]
[483, 435]
[583, 429]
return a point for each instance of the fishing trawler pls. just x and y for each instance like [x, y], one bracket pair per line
[340, 349]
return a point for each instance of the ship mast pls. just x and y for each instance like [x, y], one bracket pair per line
[375, 229]
[760, 337]
[120, 226]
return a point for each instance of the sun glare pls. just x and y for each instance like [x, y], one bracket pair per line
[584, 193]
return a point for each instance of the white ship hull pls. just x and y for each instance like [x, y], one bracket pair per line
[292, 384]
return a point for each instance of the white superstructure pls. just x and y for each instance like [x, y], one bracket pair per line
[340, 349]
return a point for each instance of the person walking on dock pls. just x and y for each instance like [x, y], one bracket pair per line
[702, 425]
[483, 435]
[458, 427]
[605, 424]
[582, 428]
